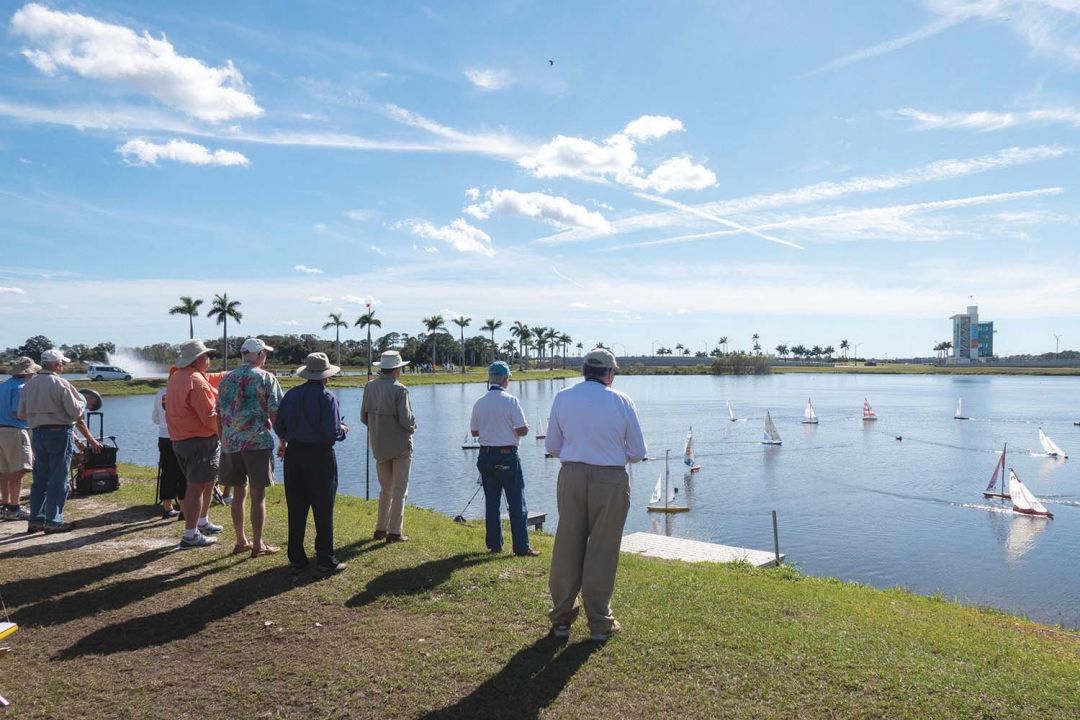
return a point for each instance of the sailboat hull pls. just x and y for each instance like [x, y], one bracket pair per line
[809, 422]
[1033, 513]
[1006, 496]
[668, 508]
[772, 442]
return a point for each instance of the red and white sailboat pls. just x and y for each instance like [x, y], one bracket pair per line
[867, 411]
[999, 473]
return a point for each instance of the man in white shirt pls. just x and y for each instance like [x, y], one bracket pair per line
[594, 430]
[500, 424]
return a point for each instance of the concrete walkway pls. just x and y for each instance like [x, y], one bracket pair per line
[670, 548]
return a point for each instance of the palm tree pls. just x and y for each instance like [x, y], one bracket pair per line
[491, 326]
[723, 341]
[781, 350]
[369, 321]
[755, 337]
[190, 308]
[844, 345]
[829, 351]
[434, 324]
[509, 348]
[539, 335]
[816, 351]
[522, 332]
[462, 322]
[564, 340]
[551, 337]
[223, 308]
[337, 323]
[678, 346]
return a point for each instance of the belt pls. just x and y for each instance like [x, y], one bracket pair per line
[501, 448]
[52, 427]
[13, 427]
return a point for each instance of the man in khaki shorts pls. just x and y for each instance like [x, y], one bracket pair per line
[594, 430]
[16, 457]
[247, 402]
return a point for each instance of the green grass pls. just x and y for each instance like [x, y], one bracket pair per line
[113, 388]
[114, 623]
[912, 369]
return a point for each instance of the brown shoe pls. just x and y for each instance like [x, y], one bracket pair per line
[63, 527]
[34, 527]
[379, 535]
[394, 537]
[494, 551]
[528, 553]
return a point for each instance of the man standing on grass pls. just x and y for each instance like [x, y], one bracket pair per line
[594, 430]
[192, 419]
[500, 424]
[51, 406]
[388, 414]
[247, 402]
[308, 423]
[16, 457]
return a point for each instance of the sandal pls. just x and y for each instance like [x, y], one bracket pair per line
[241, 549]
[264, 550]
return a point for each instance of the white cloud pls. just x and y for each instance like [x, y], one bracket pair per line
[650, 127]
[103, 51]
[320, 228]
[320, 300]
[307, 270]
[986, 121]
[489, 78]
[141, 151]
[579, 305]
[431, 250]
[616, 158]
[358, 299]
[360, 215]
[459, 234]
[377, 250]
[10, 290]
[557, 211]
[288, 323]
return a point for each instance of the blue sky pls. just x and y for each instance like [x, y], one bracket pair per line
[810, 172]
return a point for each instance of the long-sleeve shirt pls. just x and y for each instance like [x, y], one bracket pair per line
[49, 399]
[10, 390]
[594, 424]
[309, 413]
[190, 405]
[388, 414]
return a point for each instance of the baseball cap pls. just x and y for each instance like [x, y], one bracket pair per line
[499, 368]
[254, 345]
[51, 356]
[600, 358]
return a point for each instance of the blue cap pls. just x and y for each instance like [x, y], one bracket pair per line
[499, 368]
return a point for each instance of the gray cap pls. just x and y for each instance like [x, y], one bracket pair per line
[600, 358]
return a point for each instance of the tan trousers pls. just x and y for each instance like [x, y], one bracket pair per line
[393, 487]
[593, 501]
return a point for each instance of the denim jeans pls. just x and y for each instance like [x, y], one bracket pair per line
[500, 472]
[52, 468]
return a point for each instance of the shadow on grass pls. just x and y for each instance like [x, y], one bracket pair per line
[185, 621]
[116, 522]
[530, 682]
[416, 580]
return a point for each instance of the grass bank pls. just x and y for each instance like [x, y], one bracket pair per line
[112, 388]
[914, 369]
[115, 623]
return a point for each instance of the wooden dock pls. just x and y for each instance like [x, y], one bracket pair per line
[670, 548]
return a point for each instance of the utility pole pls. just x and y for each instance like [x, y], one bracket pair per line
[1057, 343]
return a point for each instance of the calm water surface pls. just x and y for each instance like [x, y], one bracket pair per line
[853, 502]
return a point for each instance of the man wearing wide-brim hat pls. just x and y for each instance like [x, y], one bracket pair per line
[308, 423]
[192, 418]
[16, 455]
[388, 415]
[51, 406]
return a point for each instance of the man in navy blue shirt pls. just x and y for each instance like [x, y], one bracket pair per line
[308, 423]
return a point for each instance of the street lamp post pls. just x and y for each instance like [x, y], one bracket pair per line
[856, 346]
[1057, 343]
[367, 434]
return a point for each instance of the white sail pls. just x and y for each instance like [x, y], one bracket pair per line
[688, 448]
[1022, 499]
[809, 416]
[867, 411]
[959, 408]
[730, 412]
[658, 491]
[772, 437]
[671, 494]
[541, 427]
[1050, 446]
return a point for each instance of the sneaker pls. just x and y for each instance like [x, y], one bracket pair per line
[394, 537]
[560, 631]
[4, 514]
[198, 541]
[379, 535]
[226, 500]
[603, 637]
[528, 553]
[333, 567]
[209, 528]
[19, 513]
[54, 528]
[34, 527]
[169, 514]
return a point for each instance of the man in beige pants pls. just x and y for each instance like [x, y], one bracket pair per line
[388, 415]
[594, 430]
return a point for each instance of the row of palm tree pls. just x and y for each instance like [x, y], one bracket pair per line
[801, 351]
[942, 349]
[221, 309]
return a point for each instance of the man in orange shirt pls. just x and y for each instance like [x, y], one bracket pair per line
[191, 414]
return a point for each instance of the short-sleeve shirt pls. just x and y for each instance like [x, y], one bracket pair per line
[9, 403]
[495, 416]
[247, 397]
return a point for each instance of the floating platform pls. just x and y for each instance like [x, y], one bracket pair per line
[670, 548]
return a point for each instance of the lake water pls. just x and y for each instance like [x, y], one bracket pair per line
[853, 502]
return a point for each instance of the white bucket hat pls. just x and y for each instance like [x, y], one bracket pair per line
[391, 359]
[316, 367]
[190, 351]
[53, 355]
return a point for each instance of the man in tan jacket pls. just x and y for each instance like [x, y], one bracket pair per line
[388, 415]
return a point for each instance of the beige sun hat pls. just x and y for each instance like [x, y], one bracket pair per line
[190, 351]
[23, 366]
[316, 367]
[600, 358]
[391, 359]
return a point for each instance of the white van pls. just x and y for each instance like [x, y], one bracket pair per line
[106, 372]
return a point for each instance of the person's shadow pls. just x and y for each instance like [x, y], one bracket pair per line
[530, 682]
[416, 580]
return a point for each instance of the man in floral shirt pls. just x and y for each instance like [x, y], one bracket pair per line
[247, 403]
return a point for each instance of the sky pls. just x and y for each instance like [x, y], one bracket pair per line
[639, 174]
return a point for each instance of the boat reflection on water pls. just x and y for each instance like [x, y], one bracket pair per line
[1017, 533]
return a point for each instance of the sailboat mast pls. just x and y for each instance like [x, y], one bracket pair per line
[1003, 465]
[667, 475]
